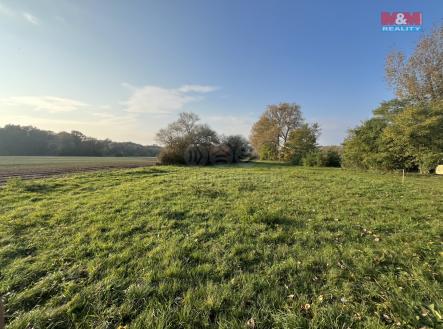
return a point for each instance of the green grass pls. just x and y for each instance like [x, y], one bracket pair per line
[261, 245]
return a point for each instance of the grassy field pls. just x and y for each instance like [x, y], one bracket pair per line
[252, 246]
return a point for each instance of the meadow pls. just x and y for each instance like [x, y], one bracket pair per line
[257, 245]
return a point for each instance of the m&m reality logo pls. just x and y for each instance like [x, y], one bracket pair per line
[401, 21]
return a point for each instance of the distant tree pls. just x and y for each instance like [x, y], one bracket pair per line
[186, 122]
[241, 149]
[264, 138]
[18, 140]
[301, 142]
[322, 157]
[180, 134]
[186, 130]
[273, 128]
[330, 156]
[420, 77]
[204, 135]
[286, 117]
[268, 151]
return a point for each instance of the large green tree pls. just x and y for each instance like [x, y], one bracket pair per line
[301, 141]
[264, 138]
[362, 147]
[407, 132]
[271, 132]
[415, 136]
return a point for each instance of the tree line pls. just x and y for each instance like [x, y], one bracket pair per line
[26, 140]
[405, 132]
[187, 132]
[281, 133]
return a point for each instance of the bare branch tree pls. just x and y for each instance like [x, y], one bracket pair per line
[421, 76]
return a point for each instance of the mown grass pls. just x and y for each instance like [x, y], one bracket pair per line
[264, 246]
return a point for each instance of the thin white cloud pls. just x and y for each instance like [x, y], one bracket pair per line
[44, 103]
[11, 13]
[31, 18]
[138, 120]
[6, 11]
[154, 99]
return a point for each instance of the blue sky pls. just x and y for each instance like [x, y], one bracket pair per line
[124, 69]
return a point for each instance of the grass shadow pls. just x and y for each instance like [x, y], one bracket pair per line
[148, 172]
[20, 185]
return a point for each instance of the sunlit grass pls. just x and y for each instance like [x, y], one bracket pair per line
[257, 245]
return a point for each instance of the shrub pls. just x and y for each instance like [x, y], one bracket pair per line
[170, 156]
[268, 152]
[330, 156]
[324, 157]
[178, 135]
[240, 147]
[300, 143]
[427, 161]
[311, 159]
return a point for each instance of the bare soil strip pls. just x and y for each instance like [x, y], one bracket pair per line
[30, 173]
